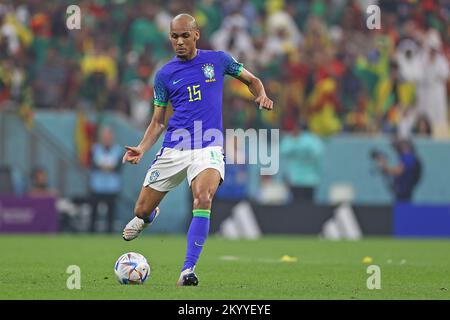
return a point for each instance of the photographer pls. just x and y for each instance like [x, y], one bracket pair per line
[404, 177]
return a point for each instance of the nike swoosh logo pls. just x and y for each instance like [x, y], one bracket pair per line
[176, 81]
[198, 245]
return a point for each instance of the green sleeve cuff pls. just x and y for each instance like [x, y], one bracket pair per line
[160, 103]
[239, 71]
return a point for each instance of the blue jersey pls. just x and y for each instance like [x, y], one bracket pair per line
[194, 88]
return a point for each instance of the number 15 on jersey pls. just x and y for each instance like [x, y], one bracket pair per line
[194, 93]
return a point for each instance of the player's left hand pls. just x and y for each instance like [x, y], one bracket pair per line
[264, 102]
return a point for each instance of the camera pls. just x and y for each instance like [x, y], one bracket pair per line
[376, 154]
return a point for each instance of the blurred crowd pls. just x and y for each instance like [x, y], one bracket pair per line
[320, 62]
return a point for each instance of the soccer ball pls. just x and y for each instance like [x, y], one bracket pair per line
[132, 268]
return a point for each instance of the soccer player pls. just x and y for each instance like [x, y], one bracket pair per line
[192, 81]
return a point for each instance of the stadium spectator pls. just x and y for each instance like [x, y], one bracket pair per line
[301, 154]
[284, 35]
[105, 179]
[99, 70]
[233, 37]
[432, 83]
[422, 127]
[48, 88]
[144, 32]
[39, 184]
[407, 123]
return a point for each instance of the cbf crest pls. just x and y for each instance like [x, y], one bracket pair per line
[208, 71]
[154, 175]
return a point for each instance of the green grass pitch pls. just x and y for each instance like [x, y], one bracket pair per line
[34, 267]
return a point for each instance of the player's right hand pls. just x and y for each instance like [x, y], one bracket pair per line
[133, 155]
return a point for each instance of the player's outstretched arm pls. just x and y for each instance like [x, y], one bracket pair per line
[154, 130]
[256, 87]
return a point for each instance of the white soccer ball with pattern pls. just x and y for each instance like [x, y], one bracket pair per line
[132, 268]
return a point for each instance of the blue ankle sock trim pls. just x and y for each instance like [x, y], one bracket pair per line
[151, 217]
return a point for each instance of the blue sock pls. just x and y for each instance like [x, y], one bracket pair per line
[196, 237]
[150, 217]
